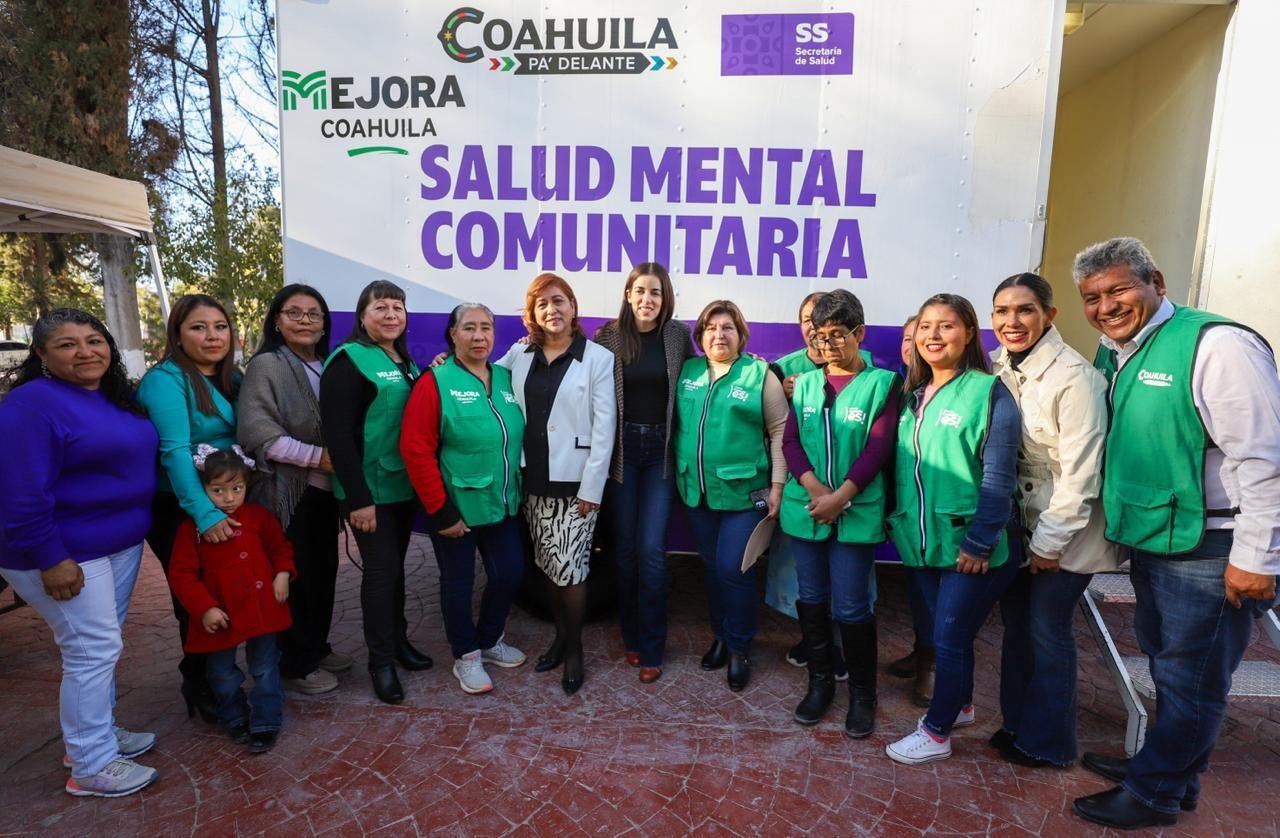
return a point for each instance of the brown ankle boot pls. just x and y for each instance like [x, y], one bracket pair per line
[904, 667]
[922, 690]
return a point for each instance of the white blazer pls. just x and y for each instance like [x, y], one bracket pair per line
[580, 430]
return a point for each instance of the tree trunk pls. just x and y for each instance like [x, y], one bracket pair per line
[221, 226]
[120, 297]
[40, 278]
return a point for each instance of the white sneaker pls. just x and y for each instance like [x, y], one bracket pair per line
[918, 747]
[500, 654]
[965, 717]
[119, 778]
[469, 670]
[130, 744]
[320, 681]
[336, 662]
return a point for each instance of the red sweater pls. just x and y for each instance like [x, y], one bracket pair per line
[420, 445]
[235, 576]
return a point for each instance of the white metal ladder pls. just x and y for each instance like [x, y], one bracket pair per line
[1253, 680]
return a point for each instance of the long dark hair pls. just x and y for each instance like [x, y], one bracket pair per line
[273, 339]
[973, 359]
[381, 289]
[1036, 284]
[223, 373]
[115, 385]
[628, 331]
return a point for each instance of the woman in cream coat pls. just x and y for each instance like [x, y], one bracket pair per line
[1064, 425]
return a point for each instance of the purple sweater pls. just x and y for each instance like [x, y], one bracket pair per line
[76, 478]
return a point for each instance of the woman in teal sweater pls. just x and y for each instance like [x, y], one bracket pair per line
[190, 396]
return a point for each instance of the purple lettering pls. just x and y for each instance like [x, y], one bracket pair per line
[542, 189]
[585, 157]
[809, 247]
[431, 239]
[819, 180]
[846, 251]
[430, 164]
[646, 175]
[853, 194]
[730, 249]
[777, 235]
[699, 171]
[744, 175]
[465, 240]
[627, 248]
[473, 175]
[507, 190]
[569, 255]
[694, 226]
[521, 246]
[785, 158]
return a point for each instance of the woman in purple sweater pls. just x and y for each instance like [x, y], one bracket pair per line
[77, 479]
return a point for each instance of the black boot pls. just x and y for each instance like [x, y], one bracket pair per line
[815, 626]
[386, 684]
[199, 698]
[860, 656]
[410, 658]
[739, 673]
[716, 656]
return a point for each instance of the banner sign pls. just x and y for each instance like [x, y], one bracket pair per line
[760, 150]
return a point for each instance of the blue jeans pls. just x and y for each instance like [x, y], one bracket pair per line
[1038, 663]
[638, 510]
[960, 603]
[503, 558]
[1194, 640]
[264, 710]
[921, 616]
[731, 594]
[839, 572]
[87, 629]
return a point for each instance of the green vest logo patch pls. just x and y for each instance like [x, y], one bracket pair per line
[950, 418]
[464, 396]
[1155, 379]
[855, 414]
[739, 393]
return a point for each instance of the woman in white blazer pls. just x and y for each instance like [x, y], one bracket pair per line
[1064, 425]
[564, 384]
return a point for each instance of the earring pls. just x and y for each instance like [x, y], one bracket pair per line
[44, 370]
[277, 327]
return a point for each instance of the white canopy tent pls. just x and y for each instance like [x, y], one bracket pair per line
[38, 195]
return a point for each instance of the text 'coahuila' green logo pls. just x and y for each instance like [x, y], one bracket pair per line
[294, 86]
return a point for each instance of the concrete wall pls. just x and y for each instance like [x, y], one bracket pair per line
[1129, 158]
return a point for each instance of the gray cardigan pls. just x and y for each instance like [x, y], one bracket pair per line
[276, 400]
[677, 342]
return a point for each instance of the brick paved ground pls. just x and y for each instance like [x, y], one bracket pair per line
[679, 756]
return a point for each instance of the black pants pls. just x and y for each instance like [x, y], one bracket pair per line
[166, 516]
[382, 587]
[313, 531]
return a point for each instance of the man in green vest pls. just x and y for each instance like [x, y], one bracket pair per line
[1192, 486]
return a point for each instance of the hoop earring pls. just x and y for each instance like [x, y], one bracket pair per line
[277, 328]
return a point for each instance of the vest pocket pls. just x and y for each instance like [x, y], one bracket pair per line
[470, 481]
[1144, 516]
[391, 462]
[949, 529]
[904, 530]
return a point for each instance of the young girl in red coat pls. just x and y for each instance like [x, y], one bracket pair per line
[238, 588]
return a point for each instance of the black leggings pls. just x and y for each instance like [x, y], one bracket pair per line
[166, 516]
[382, 553]
[313, 531]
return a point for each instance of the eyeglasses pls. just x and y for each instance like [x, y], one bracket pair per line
[834, 341]
[297, 315]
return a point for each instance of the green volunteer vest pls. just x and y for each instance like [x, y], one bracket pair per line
[480, 437]
[833, 438]
[938, 473]
[720, 449]
[1153, 491]
[382, 464]
[798, 362]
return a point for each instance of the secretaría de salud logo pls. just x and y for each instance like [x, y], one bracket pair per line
[786, 44]
[560, 46]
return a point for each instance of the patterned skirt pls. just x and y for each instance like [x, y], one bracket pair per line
[561, 537]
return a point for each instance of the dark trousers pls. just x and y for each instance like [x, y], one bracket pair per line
[1038, 663]
[264, 710]
[960, 603]
[638, 510]
[502, 553]
[166, 516]
[313, 531]
[731, 594]
[382, 585]
[921, 616]
[1194, 640]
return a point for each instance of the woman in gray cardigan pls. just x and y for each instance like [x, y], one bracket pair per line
[279, 425]
[649, 346]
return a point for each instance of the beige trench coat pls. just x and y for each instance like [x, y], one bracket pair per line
[1063, 400]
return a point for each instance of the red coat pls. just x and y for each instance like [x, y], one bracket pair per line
[235, 576]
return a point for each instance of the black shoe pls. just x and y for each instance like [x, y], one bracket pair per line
[1115, 768]
[386, 684]
[861, 720]
[571, 685]
[716, 656]
[739, 672]
[1002, 739]
[411, 659]
[239, 732]
[263, 741]
[574, 672]
[1120, 810]
[1012, 754]
[199, 699]
[553, 657]
[798, 655]
[815, 627]
[814, 705]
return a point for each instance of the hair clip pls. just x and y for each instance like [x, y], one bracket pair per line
[203, 450]
[240, 453]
